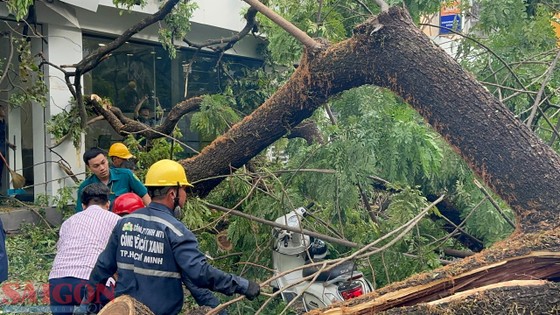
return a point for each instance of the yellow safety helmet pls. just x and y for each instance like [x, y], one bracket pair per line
[120, 150]
[166, 173]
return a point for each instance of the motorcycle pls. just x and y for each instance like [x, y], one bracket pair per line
[292, 250]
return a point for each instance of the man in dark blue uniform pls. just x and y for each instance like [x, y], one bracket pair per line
[153, 253]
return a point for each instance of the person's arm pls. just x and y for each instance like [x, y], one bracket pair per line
[137, 108]
[193, 263]
[203, 297]
[79, 206]
[139, 189]
[146, 199]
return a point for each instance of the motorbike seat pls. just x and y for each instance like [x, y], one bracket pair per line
[344, 268]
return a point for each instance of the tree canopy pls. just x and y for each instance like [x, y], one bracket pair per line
[375, 122]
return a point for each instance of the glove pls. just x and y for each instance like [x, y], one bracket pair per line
[110, 282]
[253, 290]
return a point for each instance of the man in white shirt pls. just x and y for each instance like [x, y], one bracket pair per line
[82, 238]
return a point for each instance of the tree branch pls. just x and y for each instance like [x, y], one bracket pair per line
[307, 41]
[8, 62]
[537, 101]
[229, 42]
[125, 125]
[307, 130]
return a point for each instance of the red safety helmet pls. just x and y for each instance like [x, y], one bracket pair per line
[127, 203]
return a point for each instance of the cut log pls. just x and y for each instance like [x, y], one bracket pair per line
[125, 305]
[514, 297]
[543, 265]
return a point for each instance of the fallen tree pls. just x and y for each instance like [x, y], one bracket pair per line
[485, 133]
[389, 51]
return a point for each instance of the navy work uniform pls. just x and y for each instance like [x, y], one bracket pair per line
[154, 254]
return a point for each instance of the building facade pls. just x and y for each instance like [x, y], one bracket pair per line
[67, 31]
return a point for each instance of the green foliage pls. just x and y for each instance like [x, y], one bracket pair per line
[522, 45]
[216, 115]
[63, 197]
[196, 214]
[376, 135]
[129, 3]
[66, 124]
[419, 7]
[19, 8]
[177, 25]
[254, 86]
[157, 149]
[501, 15]
[404, 206]
[331, 20]
[386, 136]
[31, 253]
[467, 197]
[29, 85]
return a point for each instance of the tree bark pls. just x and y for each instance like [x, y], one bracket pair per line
[390, 52]
[518, 259]
[125, 305]
[513, 297]
[518, 299]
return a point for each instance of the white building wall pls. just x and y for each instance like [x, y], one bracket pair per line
[212, 20]
[215, 13]
[63, 23]
[219, 13]
[64, 48]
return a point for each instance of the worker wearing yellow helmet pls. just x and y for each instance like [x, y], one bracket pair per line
[121, 156]
[167, 255]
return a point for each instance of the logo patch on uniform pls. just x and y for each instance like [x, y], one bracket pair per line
[127, 226]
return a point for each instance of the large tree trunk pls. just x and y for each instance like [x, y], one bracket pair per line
[391, 52]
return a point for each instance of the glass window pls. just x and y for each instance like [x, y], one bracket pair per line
[138, 71]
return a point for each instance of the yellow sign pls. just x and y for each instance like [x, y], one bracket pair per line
[556, 25]
[451, 8]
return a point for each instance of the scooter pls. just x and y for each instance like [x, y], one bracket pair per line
[292, 250]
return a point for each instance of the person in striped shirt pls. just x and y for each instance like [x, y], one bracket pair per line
[82, 237]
